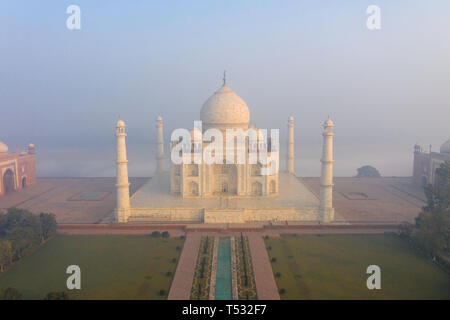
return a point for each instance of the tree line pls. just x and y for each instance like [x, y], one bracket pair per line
[431, 232]
[21, 232]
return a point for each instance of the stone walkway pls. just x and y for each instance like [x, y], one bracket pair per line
[234, 286]
[212, 286]
[266, 287]
[184, 276]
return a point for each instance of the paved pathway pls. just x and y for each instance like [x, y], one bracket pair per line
[184, 276]
[212, 285]
[266, 287]
[234, 286]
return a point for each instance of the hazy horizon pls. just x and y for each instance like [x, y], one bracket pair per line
[64, 90]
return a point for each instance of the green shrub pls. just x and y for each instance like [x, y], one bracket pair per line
[62, 295]
[10, 294]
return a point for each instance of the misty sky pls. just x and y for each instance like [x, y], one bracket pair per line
[63, 90]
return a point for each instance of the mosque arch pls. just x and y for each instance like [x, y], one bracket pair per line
[8, 181]
[257, 189]
[24, 182]
[225, 187]
[193, 189]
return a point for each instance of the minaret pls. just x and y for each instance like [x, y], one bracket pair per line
[290, 156]
[326, 209]
[160, 145]
[122, 185]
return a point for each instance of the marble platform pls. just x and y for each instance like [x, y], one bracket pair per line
[154, 203]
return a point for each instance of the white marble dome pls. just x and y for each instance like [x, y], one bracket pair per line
[3, 148]
[224, 108]
[445, 148]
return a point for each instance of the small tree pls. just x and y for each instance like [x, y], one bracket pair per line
[155, 234]
[49, 225]
[165, 234]
[368, 171]
[6, 254]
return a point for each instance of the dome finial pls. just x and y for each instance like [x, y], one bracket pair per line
[224, 78]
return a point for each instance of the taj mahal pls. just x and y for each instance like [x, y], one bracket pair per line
[211, 179]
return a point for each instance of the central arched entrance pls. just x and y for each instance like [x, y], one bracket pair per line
[193, 189]
[24, 182]
[8, 181]
[257, 189]
[227, 184]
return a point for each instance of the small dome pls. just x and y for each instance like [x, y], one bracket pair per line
[3, 148]
[120, 123]
[445, 148]
[291, 118]
[159, 118]
[225, 107]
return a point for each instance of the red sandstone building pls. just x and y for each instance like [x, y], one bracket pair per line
[17, 170]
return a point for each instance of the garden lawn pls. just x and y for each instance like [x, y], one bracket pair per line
[112, 267]
[334, 267]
